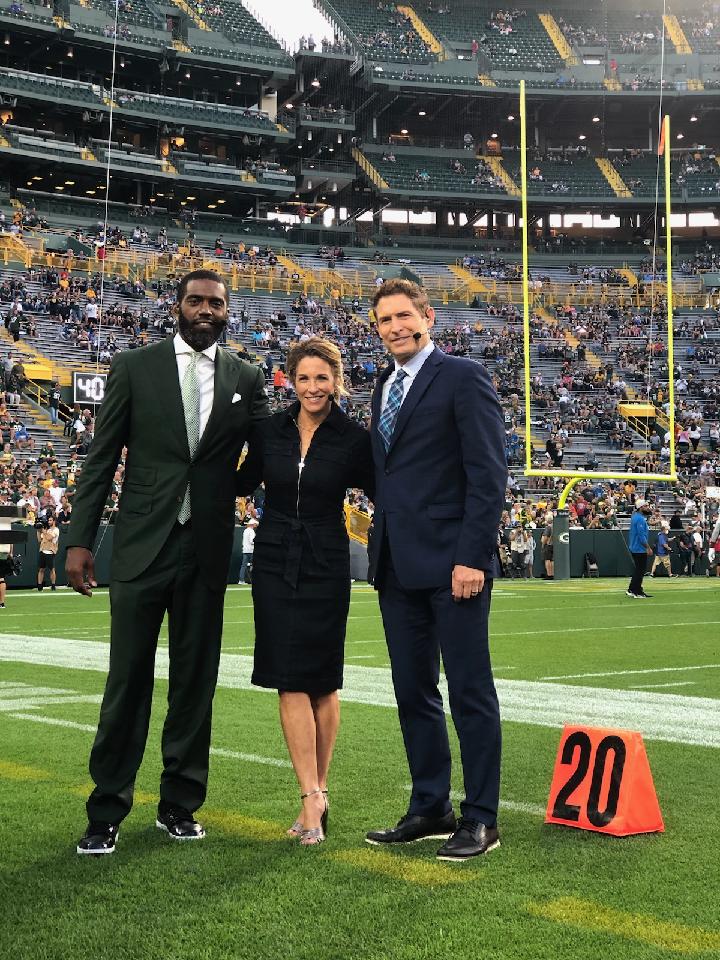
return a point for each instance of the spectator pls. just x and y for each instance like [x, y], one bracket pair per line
[248, 547]
[48, 538]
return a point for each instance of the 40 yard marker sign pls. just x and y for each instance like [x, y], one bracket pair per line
[602, 782]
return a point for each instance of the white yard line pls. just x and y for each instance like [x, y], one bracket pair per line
[627, 673]
[657, 686]
[658, 716]
[91, 728]
[534, 809]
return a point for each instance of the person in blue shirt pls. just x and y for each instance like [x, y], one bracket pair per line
[662, 550]
[639, 548]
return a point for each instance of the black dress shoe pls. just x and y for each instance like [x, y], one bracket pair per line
[99, 838]
[411, 828]
[471, 839]
[179, 824]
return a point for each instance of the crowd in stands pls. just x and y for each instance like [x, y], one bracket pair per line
[397, 37]
[587, 35]
[505, 21]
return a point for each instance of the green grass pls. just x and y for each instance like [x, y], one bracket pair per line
[247, 892]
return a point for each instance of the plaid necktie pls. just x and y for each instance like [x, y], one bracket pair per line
[190, 390]
[386, 424]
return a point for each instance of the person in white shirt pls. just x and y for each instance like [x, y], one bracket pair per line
[248, 546]
[48, 540]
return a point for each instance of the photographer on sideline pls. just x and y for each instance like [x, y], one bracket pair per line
[48, 535]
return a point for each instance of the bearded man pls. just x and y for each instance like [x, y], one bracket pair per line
[183, 408]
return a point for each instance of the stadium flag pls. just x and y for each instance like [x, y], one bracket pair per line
[661, 145]
[602, 782]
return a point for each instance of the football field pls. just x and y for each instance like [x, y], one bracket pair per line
[579, 652]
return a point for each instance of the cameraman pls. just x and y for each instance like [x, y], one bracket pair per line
[48, 536]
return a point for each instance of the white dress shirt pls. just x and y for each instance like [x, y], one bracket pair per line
[412, 369]
[205, 373]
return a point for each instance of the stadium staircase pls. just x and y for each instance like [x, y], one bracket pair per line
[193, 14]
[368, 169]
[496, 165]
[37, 365]
[677, 34]
[292, 266]
[474, 284]
[617, 183]
[558, 38]
[425, 33]
[629, 275]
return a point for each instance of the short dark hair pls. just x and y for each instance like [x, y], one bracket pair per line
[413, 291]
[201, 275]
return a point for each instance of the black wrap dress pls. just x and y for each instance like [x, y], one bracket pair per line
[301, 563]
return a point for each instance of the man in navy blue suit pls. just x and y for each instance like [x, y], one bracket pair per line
[439, 448]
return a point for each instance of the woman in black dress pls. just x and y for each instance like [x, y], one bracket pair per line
[307, 456]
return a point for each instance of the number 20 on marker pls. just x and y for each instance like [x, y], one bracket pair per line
[602, 782]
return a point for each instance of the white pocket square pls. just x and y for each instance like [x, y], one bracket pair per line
[236, 397]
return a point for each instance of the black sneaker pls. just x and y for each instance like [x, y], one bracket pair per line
[471, 839]
[53, 587]
[179, 823]
[644, 596]
[410, 829]
[99, 838]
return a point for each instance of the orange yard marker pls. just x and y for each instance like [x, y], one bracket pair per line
[602, 782]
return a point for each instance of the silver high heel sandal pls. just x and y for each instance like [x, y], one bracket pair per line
[297, 828]
[315, 835]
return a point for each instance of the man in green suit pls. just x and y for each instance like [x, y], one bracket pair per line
[183, 408]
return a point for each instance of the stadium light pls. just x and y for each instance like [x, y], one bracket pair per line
[680, 136]
[693, 119]
[403, 131]
[421, 113]
[582, 137]
[511, 116]
[493, 136]
[315, 83]
[596, 119]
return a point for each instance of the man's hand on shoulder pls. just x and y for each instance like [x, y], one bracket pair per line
[467, 582]
[80, 570]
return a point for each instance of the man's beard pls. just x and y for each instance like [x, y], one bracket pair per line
[199, 339]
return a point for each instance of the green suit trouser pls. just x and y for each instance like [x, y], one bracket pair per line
[171, 584]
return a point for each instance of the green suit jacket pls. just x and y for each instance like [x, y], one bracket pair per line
[143, 411]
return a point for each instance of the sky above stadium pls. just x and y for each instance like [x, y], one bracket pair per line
[290, 19]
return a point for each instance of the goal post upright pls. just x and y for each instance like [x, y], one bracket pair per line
[569, 476]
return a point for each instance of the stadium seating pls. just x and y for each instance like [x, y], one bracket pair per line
[552, 175]
[379, 31]
[407, 172]
[526, 45]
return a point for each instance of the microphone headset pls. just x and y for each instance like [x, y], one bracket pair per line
[417, 337]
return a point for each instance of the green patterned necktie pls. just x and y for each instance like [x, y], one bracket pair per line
[190, 390]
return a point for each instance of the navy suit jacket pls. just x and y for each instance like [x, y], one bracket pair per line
[440, 488]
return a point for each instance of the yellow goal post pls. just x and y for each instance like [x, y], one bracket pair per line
[529, 471]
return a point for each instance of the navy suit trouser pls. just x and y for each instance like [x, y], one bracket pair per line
[420, 627]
